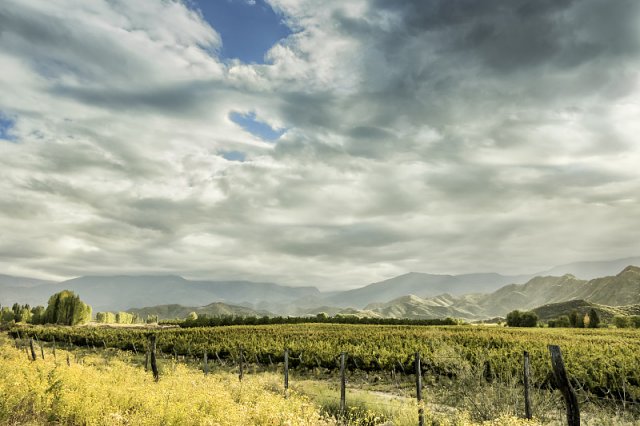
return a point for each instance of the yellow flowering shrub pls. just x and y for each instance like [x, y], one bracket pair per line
[111, 392]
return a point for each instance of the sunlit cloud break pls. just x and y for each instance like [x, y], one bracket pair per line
[365, 139]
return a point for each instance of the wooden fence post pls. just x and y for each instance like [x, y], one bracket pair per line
[570, 397]
[343, 404]
[527, 397]
[154, 365]
[419, 390]
[206, 363]
[241, 362]
[33, 351]
[54, 349]
[42, 349]
[146, 360]
[286, 372]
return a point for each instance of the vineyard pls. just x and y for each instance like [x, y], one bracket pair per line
[464, 363]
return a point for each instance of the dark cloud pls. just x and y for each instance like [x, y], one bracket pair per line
[440, 136]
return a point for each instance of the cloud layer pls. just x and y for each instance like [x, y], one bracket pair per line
[441, 136]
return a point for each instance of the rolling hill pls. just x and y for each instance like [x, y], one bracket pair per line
[606, 313]
[215, 309]
[422, 285]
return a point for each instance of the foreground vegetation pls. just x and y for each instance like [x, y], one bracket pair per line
[114, 391]
[463, 382]
[108, 387]
[602, 362]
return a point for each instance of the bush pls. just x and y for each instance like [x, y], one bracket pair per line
[622, 322]
[522, 319]
[561, 321]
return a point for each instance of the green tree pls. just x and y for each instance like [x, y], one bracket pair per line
[528, 319]
[513, 318]
[192, 316]
[7, 315]
[25, 314]
[621, 321]
[561, 321]
[37, 315]
[573, 318]
[66, 308]
[522, 319]
[594, 319]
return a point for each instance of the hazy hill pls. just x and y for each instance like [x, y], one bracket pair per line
[471, 296]
[619, 290]
[21, 282]
[423, 285]
[591, 270]
[212, 310]
[417, 308]
[606, 313]
[119, 293]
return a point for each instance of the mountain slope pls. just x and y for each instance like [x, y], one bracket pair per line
[423, 285]
[215, 309]
[118, 293]
[21, 282]
[417, 308]
[606, 313]
[619, 290]
[591, 270]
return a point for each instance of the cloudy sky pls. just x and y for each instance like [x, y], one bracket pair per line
[329, 143]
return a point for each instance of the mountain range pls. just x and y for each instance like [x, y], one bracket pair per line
[412, 295]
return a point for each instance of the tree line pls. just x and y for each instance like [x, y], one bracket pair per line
[64, 308]
[576, 320]
[124, 318]
[193, 320]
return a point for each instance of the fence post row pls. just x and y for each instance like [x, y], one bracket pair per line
[286, 372]
[527, 397]
[343, 404]
[33, 351]
[557, 362]
[419, 390]
[154, 365]
[240, 360]
[570, 397]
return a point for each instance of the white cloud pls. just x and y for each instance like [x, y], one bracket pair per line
[419, 137]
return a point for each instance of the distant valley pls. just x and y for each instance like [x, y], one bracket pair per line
[412, 295]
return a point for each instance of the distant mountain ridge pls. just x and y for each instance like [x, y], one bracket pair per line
[7, 281]
[591, 270]
[423, 285]
[469, 296]
[123, 292]
[618, 290]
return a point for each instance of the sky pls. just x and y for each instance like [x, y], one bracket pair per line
[317, 143]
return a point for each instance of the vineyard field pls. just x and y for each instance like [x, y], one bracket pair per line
[601, 361]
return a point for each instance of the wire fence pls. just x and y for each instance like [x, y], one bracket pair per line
[397, 383]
